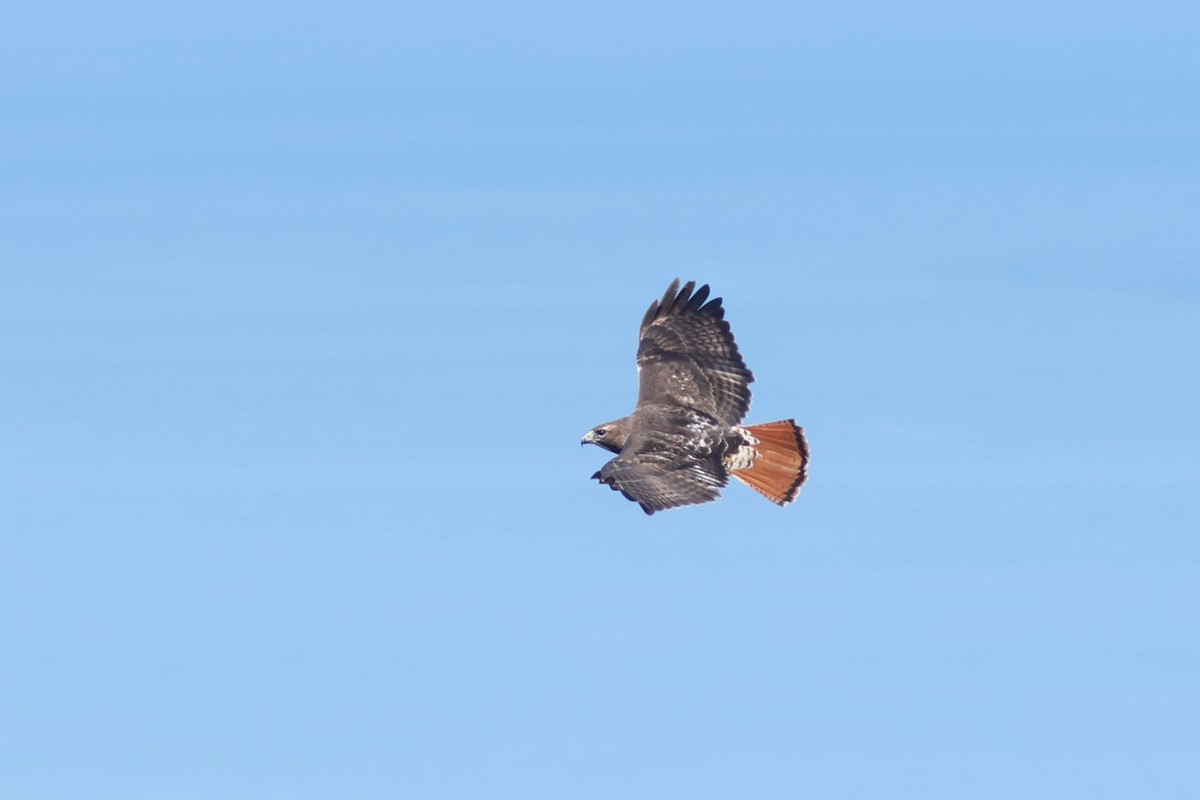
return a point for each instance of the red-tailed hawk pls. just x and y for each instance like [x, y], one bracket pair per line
[683, 439]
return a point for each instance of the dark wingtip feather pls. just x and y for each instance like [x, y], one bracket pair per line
[691, 302]
[713, 309]
[668, 298]
[678, 302]
[661, 307]
[596, 475]
[698, 299]
[649, 511]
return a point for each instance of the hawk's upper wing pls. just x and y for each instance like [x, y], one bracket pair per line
[660, 470]
[687, 356]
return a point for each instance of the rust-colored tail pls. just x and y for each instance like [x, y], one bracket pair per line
[773, 459]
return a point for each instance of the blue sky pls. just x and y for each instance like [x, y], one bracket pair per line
[304, 308]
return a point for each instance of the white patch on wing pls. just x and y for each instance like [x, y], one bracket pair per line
[746, 454]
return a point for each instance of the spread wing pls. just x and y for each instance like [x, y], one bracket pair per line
[660, 470]
[687, 357]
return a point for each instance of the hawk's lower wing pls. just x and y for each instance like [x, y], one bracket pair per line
[658, 479]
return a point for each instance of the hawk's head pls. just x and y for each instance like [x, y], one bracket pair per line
[611, 435]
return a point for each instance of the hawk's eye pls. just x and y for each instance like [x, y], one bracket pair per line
[601, 432]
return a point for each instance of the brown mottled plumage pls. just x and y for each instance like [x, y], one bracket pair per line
[683, 439]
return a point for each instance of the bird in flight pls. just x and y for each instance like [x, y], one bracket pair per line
[684, 438]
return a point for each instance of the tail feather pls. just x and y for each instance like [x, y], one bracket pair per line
[776, 459]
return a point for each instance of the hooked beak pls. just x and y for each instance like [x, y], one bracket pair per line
[588, 438]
